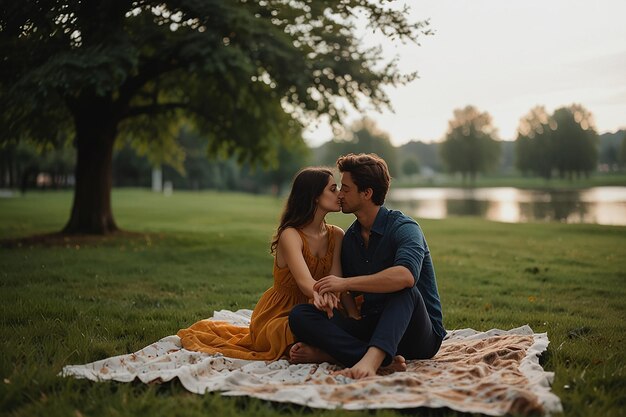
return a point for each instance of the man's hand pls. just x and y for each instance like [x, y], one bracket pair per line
[326, 302]
[331, 284]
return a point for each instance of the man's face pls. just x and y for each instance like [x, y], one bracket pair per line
[349, 194]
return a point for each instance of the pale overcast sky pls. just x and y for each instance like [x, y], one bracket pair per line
[505, 57]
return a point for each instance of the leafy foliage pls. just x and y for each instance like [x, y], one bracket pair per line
[565, 142]
[220, 173]
[410, 166]
[427, 155]
[20, 164]
[535, 142]
[364, 136]
[471, 144]
[576, 141]
[245, 73]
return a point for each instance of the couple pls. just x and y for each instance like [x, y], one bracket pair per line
[366, 300]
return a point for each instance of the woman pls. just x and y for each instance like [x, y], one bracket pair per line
[305, 249]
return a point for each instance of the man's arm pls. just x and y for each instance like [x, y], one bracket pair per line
[388, 280]
[409, 255]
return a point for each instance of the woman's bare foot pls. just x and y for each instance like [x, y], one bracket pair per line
[303, 353]
[398, 364]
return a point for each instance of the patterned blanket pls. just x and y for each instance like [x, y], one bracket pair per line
[494, 373]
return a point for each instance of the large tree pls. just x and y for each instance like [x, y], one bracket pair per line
[363, 136]
[575, 141]
[535, 143]
[244, 74]
[471, 145]
[564, 142]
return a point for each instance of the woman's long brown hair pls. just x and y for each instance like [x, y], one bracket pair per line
[308, 185]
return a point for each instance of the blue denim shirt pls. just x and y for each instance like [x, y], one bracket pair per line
[395, 239]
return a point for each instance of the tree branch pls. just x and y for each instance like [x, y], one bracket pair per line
[149, 70]
[153, 109]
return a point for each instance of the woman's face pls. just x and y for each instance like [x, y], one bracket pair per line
[329, 199]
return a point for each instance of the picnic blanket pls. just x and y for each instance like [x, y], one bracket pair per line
[494, 372]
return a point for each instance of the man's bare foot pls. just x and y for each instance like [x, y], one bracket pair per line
[398, 364]
[303, 353]
[367, 366]
[358, 371]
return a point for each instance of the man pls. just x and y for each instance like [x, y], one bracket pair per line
[386, 259]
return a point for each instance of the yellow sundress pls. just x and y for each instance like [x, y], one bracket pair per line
[268, 336]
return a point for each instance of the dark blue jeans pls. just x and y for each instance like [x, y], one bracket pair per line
[400, 327]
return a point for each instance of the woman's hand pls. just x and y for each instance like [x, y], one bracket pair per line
[332, 284]
[326, 302]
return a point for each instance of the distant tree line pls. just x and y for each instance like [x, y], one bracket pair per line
[563, 144]
[25, 165]
[363, 136]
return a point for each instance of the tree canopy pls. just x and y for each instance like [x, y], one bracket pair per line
[575, 141]
[471, 144]
[363, 136]
[535, 142]
[410, 166]
[244, 74]
[564, 142]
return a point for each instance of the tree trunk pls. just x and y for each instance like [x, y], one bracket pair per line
[96, 129]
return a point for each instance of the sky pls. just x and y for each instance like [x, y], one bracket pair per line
[504, 57]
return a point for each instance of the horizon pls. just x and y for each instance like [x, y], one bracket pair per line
[398, 145]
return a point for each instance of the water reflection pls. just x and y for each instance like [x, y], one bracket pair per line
[602, 205]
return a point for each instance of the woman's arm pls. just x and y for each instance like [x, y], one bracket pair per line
[348, 302]
[290, 250]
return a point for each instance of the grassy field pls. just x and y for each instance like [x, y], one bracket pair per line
[85, 299]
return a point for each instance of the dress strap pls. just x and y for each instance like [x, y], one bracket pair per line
[331, 238]
[305, 245]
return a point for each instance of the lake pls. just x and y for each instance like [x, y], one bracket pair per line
[600, 205]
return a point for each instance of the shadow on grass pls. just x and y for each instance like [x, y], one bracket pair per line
[59, 239]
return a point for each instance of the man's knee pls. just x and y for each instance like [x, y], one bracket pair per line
[298, 317]
[411, 293]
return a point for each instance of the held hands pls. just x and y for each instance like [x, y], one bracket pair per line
[331, 284]
[325, 302]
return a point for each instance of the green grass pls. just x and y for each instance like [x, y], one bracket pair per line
[87, 299]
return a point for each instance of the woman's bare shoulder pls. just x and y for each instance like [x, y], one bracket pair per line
[337, 230]
[289, 236]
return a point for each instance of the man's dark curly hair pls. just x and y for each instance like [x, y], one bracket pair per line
[368, 170]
